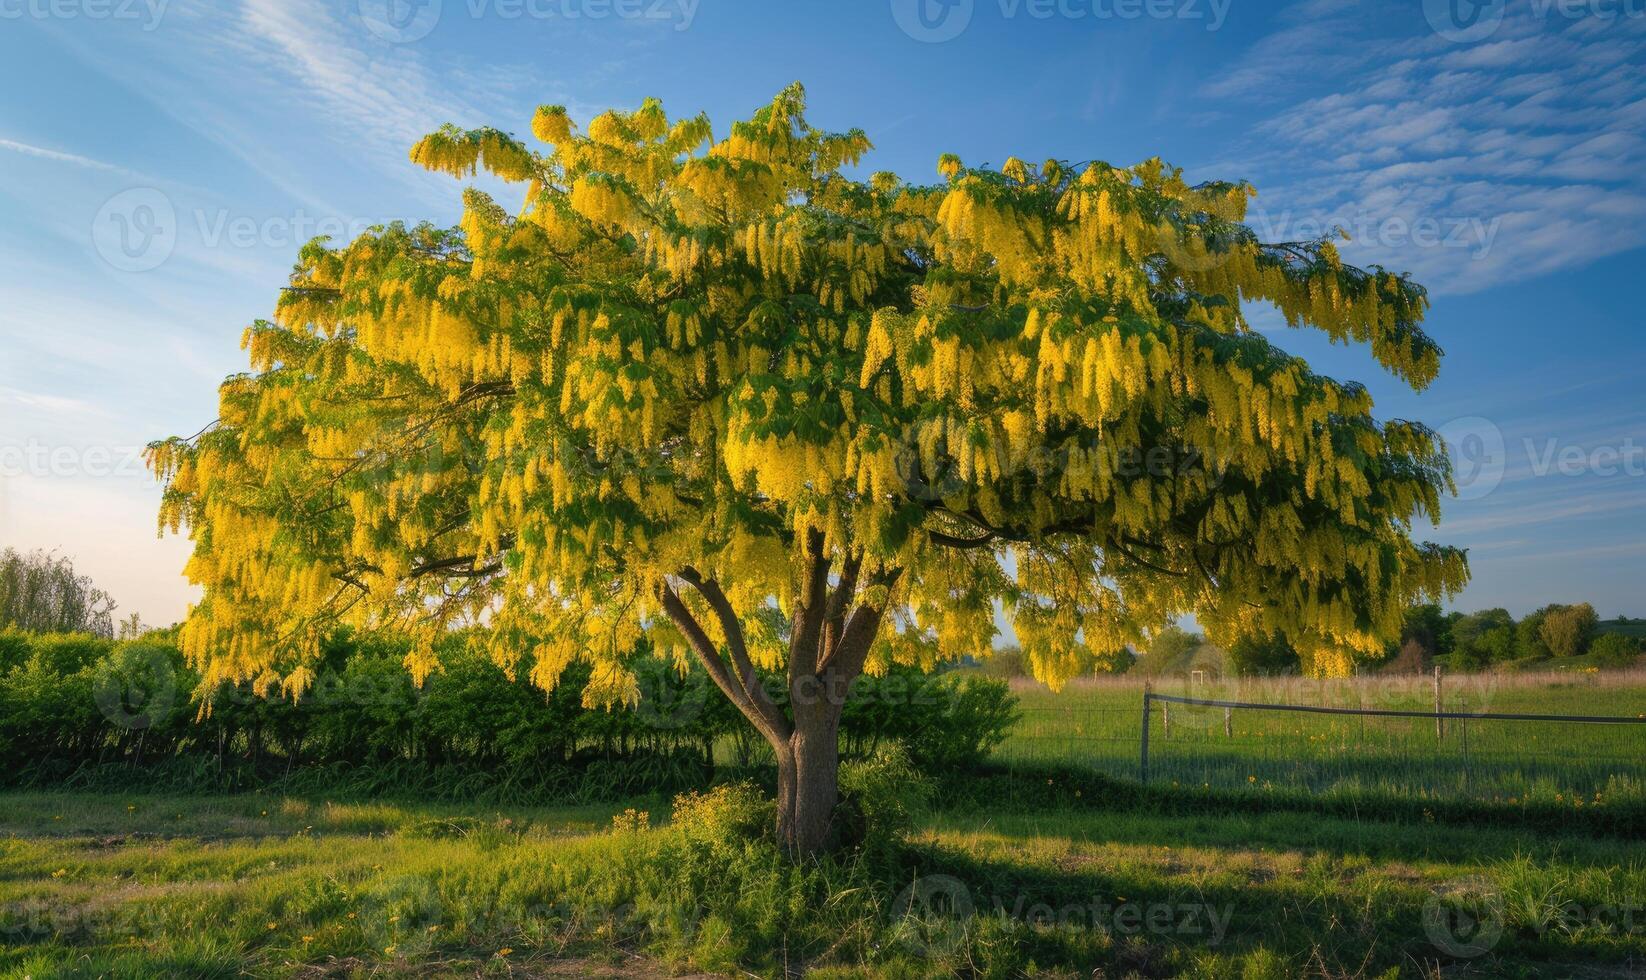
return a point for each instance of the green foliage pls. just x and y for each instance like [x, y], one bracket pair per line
[1568, 630]
[1529, 636]
[880, 798]
[724, 815]
[1263, 656]
[1170, 651]
[1483, 638]
[69, 703]
[944, 720]
[42, 593]
[1430, 628]
[1615, 650]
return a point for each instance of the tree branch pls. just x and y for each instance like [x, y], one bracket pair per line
[834, 618]
[852, 651]
[736, 644]
[809, 610]
[698, 640]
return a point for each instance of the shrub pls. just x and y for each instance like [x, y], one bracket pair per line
[1615, 650]
[726, 813]
[77, 707]
[880, 798]
[943, 720]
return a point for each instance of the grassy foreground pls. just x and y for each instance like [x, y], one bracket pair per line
[145, 886]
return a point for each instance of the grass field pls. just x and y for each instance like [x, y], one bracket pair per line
[247, 885]
[1097, 724]
[1233, 863]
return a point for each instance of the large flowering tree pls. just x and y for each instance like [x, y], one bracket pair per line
[694, 378]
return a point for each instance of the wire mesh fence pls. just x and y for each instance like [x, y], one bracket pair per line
[1461, 737]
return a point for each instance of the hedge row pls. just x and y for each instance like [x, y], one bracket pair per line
[68, 702]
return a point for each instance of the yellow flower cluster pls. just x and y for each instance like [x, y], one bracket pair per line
[1031, 390]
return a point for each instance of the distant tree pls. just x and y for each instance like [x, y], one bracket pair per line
[1428, 627]
[1169, 649]
[1007, 662]
[131, 627]
[1615, 650]
[41, 593]
[1568, 630]
[1529, 635]
[1469, 635]
[1263, 656]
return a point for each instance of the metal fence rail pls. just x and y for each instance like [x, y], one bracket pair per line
[1149, 697]
[1376, 737]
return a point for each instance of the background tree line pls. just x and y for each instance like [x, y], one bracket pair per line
[1557, 635]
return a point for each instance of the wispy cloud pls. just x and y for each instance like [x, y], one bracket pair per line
[75, 159]
[1468, 165]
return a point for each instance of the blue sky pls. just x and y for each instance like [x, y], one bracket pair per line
[161, 161]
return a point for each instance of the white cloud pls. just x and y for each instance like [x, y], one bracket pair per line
[58, 156]
[1519, 156]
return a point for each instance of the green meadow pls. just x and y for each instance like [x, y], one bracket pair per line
[1098, 723]
[1276, 847]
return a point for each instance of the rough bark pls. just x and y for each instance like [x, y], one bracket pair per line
[829, 642]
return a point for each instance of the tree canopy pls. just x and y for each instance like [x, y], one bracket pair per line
[692, 378]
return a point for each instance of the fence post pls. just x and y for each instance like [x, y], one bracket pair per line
[1143, 759]
[1440, 723]
[1228, 723]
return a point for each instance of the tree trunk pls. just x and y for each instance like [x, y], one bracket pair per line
[828, 645]
[808, 785]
